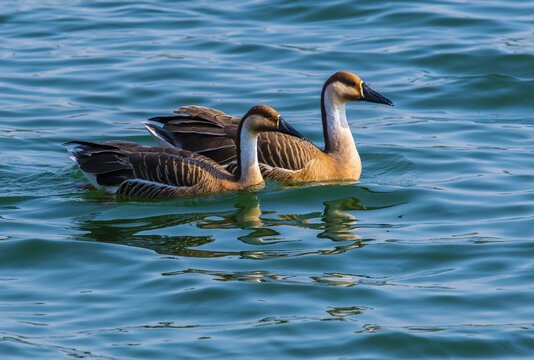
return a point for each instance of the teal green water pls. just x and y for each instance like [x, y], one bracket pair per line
[429, 256]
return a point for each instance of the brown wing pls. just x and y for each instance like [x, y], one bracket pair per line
[118, 162]
[175, 167]
[285, 151]
[274, 149]
[205, 131]
[207, 114]
[213, 133]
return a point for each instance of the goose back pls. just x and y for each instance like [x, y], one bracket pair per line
[275, 150]
[205, 131]
[150, 172]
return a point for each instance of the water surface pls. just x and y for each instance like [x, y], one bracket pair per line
[428, 256]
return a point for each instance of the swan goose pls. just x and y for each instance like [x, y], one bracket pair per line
[282, 157]
[131, 169]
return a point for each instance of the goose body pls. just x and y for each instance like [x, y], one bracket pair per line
[131, 169]
[282, 157]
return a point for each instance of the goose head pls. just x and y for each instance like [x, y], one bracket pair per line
[264, 118]
[345, 86]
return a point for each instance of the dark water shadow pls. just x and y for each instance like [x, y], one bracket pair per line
[264, 228]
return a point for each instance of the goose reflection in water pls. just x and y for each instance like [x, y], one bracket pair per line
[333, 223]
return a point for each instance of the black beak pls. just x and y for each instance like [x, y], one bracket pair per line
[372, 96]
[285, 128]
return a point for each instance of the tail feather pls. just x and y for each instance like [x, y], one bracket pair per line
[104, 165]
[163, 137]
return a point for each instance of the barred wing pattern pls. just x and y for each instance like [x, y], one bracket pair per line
[285, 151]
[205, 131]
[149, 172]
[214, 134]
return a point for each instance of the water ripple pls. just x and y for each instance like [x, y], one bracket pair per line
[429, 255]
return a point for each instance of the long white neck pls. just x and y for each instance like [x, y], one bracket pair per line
[250, 169]
[338, 137]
